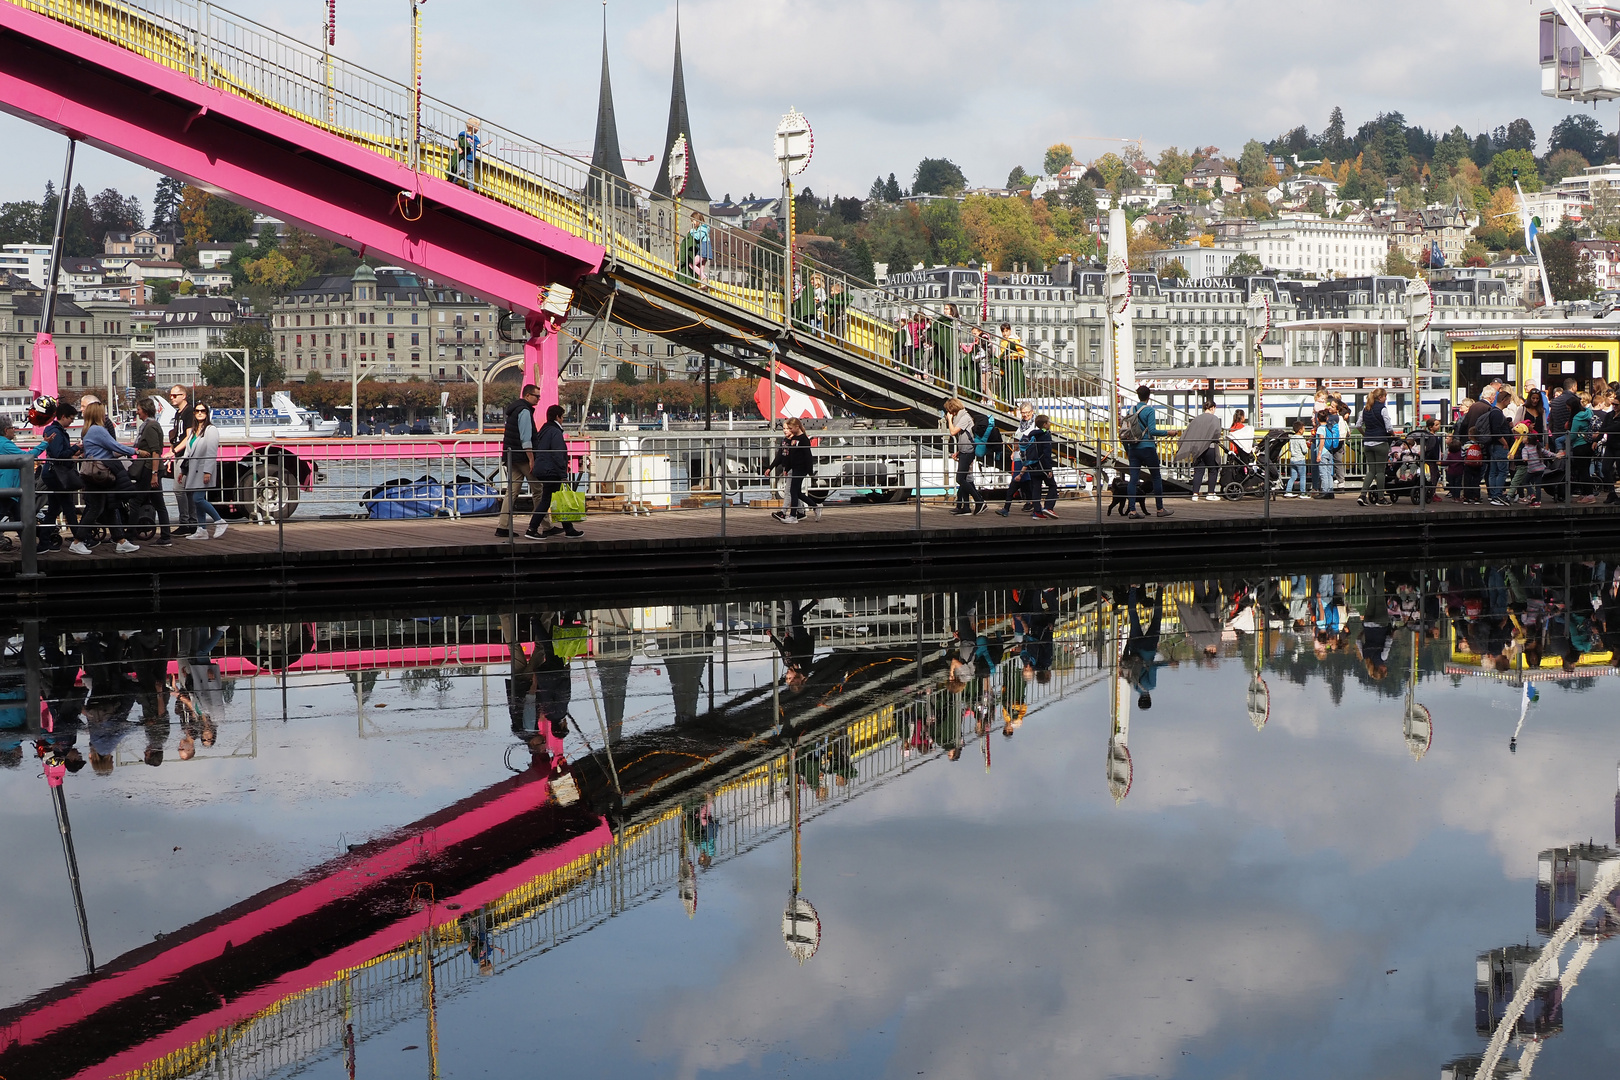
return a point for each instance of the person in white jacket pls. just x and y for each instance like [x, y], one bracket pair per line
[199, 460]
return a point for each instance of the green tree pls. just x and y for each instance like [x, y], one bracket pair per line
[162, 293]
[1500, 173]
[1517, 135]
[230, 223]
[1082, 199]
[1332, 139]
[1253, 164]
[1562, 163]
[166, 204]
[1058, 155]
[1581, 133]
[1569, 269]
[1450, 151]
[1316, 201]
[948, 240]
[1110, 167]
[1398, 265]
[1174, 165]
[625, 372]
[20, 222]
[313, 375]
[1173, 271]
[876, 194]
[218, 369]
[1018, 179]
[891, 190]
[1245, 265]
[937, 176]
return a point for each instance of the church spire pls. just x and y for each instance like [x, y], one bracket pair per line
[606, 157]
[680, 124]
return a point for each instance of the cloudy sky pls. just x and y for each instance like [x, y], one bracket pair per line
[887, 82]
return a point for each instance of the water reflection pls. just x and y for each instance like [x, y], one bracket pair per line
[645, 749]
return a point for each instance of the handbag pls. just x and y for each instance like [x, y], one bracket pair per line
[98, 474]
[567, 505]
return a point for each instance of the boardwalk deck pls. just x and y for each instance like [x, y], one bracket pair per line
[694, 552]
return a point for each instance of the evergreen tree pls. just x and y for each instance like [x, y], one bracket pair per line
[879, 192]
[165, 203]
[1332, 138]
[891, 190]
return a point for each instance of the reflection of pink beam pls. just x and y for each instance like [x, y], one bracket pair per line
[330, 967]
[137, 109]
[237, 667]
[323, 885]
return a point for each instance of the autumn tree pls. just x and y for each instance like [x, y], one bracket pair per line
[1002, 231]
[1111, 167]
[1058, 156]
[1562, 163]
[1174, 165]
[193, 216]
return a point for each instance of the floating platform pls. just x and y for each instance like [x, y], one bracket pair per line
[338, 564]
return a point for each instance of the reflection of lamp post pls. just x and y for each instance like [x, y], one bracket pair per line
[801, 926]
[1259, 695]
[1418, 725]
[1120, 770]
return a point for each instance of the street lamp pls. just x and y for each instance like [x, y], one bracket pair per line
[795, 145]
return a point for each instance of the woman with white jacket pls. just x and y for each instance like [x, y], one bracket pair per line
[199, 460]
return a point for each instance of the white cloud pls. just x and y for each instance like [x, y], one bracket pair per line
[888, 82]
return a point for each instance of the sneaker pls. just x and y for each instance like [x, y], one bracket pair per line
[219, 530]
[1003, 512]
[552, 530]
[1290, 494]
[1028, 507]
[1048, 513]
[1166, 512]
[1535, 502]
[78, 548]
[818, 513]
[503, 532]
[125, 547]
[200, 534]
[980, 508]
[960, 510]
[163, 541]
[784, 517]
[570, 531]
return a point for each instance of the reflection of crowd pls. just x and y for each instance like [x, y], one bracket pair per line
[107, 690]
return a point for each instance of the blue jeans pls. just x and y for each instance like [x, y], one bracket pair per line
[1324, 476]
[1140, 458]
[1496, 477]
[1296, 473]
[205, 511]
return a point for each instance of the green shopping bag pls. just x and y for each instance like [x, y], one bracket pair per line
[567, 505]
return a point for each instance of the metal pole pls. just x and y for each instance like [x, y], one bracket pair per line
[28, 534]
[918, 480]
[59, 800]
[49, 308]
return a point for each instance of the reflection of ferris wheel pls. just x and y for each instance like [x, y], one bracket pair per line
[1419, 730]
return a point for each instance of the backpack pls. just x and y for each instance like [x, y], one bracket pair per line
[1133, 431]
[987, 443]
[1334, 437]
[1472, 454]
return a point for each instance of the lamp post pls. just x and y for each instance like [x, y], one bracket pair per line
[247, 385]
[795, 145]
[1419, 310]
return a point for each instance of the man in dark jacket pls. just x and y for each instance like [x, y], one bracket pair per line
[1560, 412]
[62, 479]
[1496, 450]
[516, 446]
[1474, 428]
[184, 418]
[1042, 466]
[550, 470]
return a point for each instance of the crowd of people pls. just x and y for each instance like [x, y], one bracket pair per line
[124, 487]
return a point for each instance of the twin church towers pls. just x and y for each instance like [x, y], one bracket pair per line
[609, 159]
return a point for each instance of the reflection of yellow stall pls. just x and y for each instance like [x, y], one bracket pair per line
[1533, 353]
[1466, 661]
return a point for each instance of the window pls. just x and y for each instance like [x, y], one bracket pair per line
[390, 319]
[416, 339]
[390, 341]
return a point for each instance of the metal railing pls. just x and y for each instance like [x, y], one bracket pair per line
[638, 229]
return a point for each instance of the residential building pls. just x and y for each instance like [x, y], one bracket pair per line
[1213, 172]
[87, 335]
[1197, 260]
[155, 270]
[210, 256]
[1556, 206]
[390, 322]
[211, 281]
[1604, 256]
[1418, 234]
[31, 262]
[190, 328]
[140, 244]
[1308, 244]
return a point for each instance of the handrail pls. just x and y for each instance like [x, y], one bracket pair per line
[745, 272]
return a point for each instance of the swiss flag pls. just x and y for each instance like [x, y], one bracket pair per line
[790, 400]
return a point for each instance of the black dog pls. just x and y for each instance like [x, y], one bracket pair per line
[1118, 488]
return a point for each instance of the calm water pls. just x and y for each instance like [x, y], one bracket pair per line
[1193, 829]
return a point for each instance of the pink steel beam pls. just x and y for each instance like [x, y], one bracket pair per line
[86, 88]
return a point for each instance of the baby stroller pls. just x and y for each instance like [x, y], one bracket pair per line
[1241, 475]
[1403, 477]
